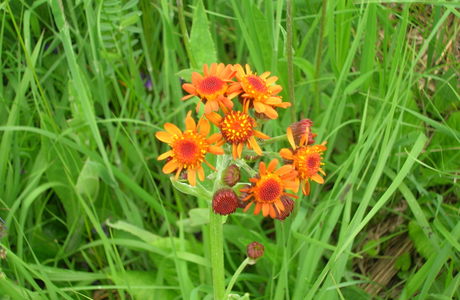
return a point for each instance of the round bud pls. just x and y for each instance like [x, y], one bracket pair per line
[231, 175]
[224, 201]
[255, 250]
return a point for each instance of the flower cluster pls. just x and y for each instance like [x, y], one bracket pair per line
[217, 87]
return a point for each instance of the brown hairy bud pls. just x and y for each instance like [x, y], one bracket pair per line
[224, 201]
[255, 250]
[231, 175]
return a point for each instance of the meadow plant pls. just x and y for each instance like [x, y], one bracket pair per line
[271, 187]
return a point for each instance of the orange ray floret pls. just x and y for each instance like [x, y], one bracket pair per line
[188, 148]
[267, 189]
[211, 87]
[238, 129]
[260, 91]
[306, 159]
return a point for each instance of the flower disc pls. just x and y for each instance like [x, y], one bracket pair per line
[237, 127]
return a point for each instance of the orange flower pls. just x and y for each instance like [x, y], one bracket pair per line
[306, 159]
[237, 128]
[267, 189]
[212, 87]
[189, 148]
[259, 90]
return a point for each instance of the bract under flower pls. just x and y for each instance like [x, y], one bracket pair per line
[188, 148]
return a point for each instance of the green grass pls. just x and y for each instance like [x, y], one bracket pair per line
[87, 208]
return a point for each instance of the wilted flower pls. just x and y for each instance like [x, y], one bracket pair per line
[301, 131]
[306, 160]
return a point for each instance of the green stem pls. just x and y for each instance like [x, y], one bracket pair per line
[290, 63]
[235, 276]
[217, 255]
[319, 51]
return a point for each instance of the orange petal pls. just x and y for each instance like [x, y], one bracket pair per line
[272, 165]
[191, 176]
[260, 135]
[284, 170]
[286, 154]
[201, 173]
[317, 178]
[214, 138]
[306, 187]
[215, 118]
[259, 107]
[170, 166]
[165, 155]
[257, 209]
[248, 206]
[203, 126]
[270, 112]
[172, 129]
[215, 150]
[239, 149]
[189, 122]
[265, 209]
[262, 168]
[189, 88]
[196, 78]
[234, 151]
[253, 143]
[272, 212]
[164, 136]
[290, 137]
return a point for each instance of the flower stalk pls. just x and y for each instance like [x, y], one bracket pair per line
[217, 254]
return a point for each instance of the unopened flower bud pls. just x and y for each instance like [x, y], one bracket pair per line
[303, 128]
[288, 204]
[224, 201]
[255, 250]
[231, 175]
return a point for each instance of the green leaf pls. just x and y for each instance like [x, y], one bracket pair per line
[88, 180]
[421, 242]
[201, 42]
[403, 262]
[372, 248]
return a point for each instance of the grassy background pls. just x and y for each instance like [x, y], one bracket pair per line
[89, 215]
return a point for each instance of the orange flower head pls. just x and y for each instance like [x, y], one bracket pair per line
[306, 159]
[238, 129]
[260, 91]
[267, 190]
[188, 148]
[211, 87]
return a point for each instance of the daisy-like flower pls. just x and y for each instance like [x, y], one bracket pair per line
[237, 128]
[260, 91]
[211, 87]
[306, 159]
[268, 188]
[188, 148]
